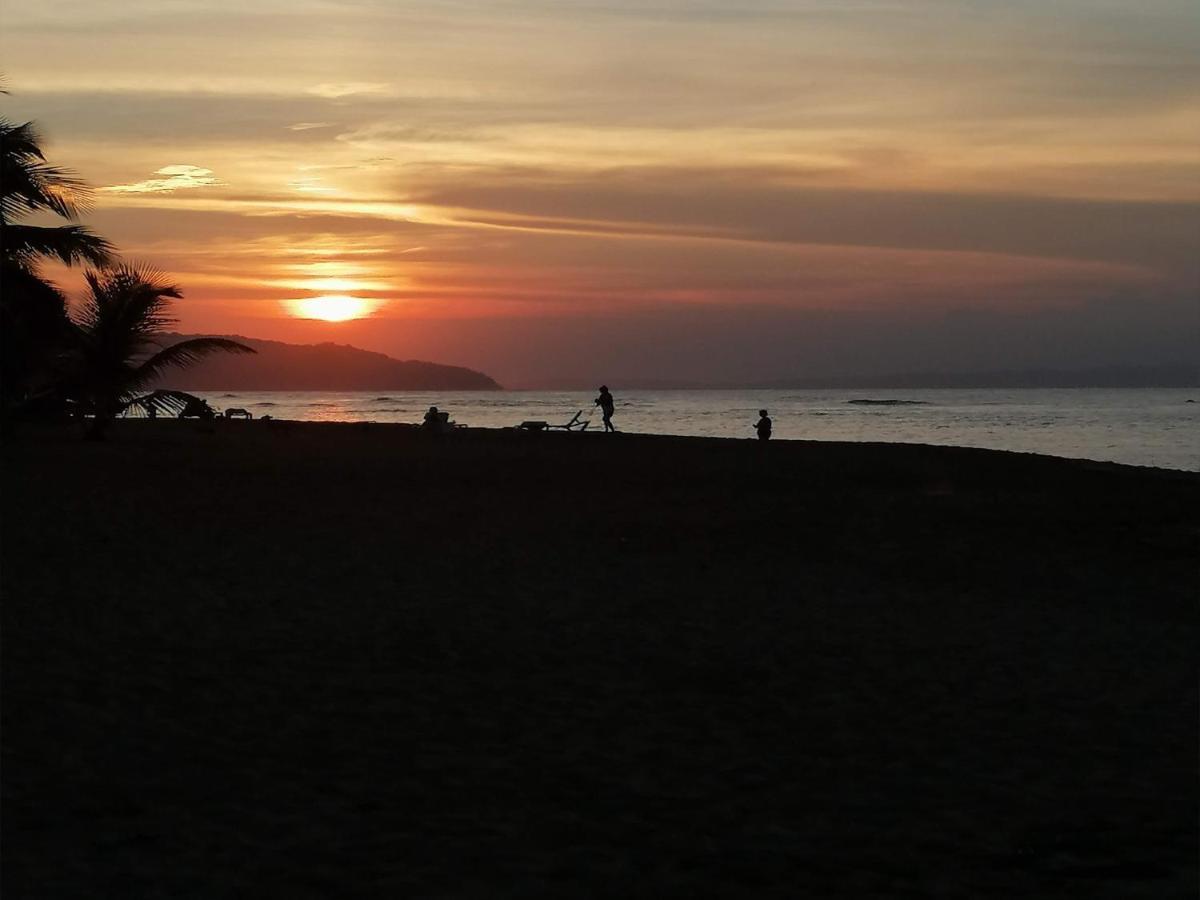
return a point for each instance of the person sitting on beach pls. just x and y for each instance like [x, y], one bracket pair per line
[763, 426]
[437, 422]
[605, 402]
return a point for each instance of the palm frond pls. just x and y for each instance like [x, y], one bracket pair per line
[128, 299]
[22, 140]
[28, 183]
[163, 402]
[31, 187]
[124, 310]
[69, 243]
[183, 354]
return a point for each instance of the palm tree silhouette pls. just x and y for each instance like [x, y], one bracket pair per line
[115, 348]
[33, 314]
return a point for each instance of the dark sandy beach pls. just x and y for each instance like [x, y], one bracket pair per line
[341, 660]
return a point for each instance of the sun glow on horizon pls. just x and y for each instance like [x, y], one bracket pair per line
[331, 307]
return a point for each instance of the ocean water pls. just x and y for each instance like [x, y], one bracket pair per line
[1137, 426]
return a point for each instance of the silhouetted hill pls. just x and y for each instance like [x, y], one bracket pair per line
[318, 367]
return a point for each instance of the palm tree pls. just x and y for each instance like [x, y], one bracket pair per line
[28, 185]
[33, 316]
[116, 350]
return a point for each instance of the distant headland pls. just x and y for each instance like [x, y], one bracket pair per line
[278, 366]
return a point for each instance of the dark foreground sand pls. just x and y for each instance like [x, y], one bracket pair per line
[341, 661]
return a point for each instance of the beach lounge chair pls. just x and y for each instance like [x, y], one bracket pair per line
[574, 424]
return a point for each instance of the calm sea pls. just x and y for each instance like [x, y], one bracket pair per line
[1143, 426]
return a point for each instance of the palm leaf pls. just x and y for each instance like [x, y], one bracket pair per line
[31, 187]
[162, 402]
[183, 354]
[28, 183]
[22, 140]
[129, 300]
[69, 243]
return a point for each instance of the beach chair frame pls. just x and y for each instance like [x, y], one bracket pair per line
[575, 423]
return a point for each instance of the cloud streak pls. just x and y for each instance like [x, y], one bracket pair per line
[173, 178]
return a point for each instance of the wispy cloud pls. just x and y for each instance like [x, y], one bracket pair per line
[308, 126]
[172, 178]
[336, 90]
[311, 186]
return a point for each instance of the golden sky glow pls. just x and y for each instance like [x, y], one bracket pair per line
[660, 189]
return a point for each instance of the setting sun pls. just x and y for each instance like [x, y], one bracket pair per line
[331, 308]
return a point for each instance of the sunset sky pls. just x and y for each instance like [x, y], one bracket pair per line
[572, 191]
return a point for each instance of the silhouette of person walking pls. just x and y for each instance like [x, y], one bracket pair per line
[763, 426]
[605, 402]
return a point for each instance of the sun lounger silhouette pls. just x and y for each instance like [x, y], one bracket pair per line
[574, 424]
